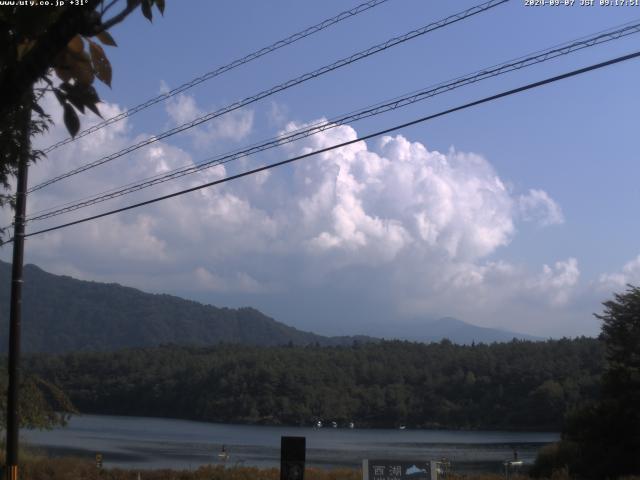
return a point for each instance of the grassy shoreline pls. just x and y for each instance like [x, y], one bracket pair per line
[40, 467]
[36, 465]
[44, 468]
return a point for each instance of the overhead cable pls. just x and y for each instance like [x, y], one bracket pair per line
[278, 88]
[491, 98]
[223, 69]
[398, 102]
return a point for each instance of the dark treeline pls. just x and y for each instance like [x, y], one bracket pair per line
[516, 385]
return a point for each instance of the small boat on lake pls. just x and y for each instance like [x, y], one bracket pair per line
[223, 456]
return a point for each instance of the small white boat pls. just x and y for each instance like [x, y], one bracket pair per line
[334, 424]
[351, 425]
[402, 427]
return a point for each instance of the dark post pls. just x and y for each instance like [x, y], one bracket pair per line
[13, 419]
[292, 458]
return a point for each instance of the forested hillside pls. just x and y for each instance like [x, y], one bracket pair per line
[62, 314]
[516, 385]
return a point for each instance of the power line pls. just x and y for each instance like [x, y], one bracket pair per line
[225, 68]
[529, 86]
[278, 88]
[398, 102]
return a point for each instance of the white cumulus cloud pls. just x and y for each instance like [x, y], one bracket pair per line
[234, 126]
[413, 226]
[558, 281]
[537, 206]
[616, 281]
[403, 195]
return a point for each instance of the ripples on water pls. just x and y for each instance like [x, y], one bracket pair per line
[136, 442]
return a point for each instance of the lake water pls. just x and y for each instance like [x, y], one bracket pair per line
[146, 443]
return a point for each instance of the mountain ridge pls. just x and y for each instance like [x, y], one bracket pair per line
[64, 314]
[466, 333]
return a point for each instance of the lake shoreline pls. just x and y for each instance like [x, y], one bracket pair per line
[146, 442]
[363, 426]
[51, 468]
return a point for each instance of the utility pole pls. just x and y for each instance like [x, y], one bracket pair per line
[15, 317]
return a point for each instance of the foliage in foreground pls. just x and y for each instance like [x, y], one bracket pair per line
[42, 404]
[37, 42]
[44, 468]
[36, 466]
[601, 439]
[64, 468]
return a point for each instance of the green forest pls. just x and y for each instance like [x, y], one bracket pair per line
[515, 385]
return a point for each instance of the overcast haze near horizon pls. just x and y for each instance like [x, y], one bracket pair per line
[518, 214]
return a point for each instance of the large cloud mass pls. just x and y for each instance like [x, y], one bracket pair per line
[377, 204]
[424, 224]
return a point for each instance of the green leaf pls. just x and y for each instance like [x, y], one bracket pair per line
[94, 109]
[76, 103]
[106, 39]
[81, 96]
[76, 45]
[66, 86]
[101, 64]
[24, 48]
[146, 10]
[63, 73]
[80, 67]
[71, 120]
[89, 95]
[160, 5]
[62, 98]
[38, 109]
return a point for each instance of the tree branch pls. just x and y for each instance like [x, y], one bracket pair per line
[131, 6]
[106, 9]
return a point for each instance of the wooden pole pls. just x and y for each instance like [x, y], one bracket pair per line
[15, 317]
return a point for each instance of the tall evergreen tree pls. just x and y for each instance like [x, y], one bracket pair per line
[606, 435]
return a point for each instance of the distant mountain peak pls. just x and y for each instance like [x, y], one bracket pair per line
[459, 331]
[62, 314]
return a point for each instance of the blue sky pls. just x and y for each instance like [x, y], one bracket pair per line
[519, 213]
